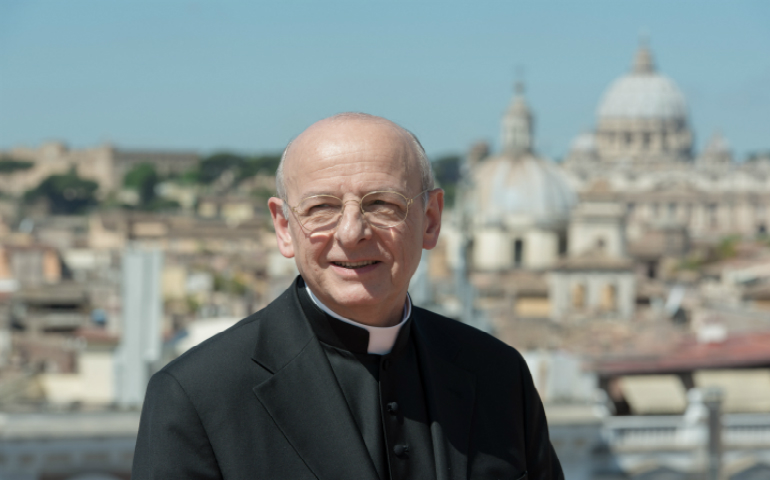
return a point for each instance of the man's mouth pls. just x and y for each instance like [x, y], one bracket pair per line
[355, 265]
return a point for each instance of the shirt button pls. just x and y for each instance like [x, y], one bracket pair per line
[392, 408]
[401, 450]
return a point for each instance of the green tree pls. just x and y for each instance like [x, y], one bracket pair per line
[260, 164]
[213, 166]
[446, 169]
[143, 178]
[728, 247]
[9, 166]
[65, 194]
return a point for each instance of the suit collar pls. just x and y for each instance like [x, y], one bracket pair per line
[336, 333]
[330, 330]
[288, 348]
[283, 332]
[318, 425]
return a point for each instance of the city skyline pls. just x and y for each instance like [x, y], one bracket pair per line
[248, 77]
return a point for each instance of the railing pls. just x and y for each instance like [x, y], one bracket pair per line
[746, 430]
[676, 432]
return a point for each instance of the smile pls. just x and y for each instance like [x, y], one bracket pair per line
[355, 265]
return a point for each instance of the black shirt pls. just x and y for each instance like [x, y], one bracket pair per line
[384, 393]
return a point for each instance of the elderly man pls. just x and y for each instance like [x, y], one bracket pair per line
[341, 377]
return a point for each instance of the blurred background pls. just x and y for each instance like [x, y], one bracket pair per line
[607, 174]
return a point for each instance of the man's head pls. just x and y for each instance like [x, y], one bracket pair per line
[348, 156]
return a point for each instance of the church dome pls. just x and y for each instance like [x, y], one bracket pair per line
[520, 190]
[643, 94]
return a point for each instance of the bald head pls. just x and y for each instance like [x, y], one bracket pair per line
[337, 129]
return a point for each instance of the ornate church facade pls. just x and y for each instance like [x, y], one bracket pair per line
[584, 237]
[640, 155]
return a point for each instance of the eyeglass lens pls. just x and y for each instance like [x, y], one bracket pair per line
[380, 209]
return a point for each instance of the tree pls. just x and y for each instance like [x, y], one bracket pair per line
[9, 166]
[143, 178]
[446, 169]
[213, 166]
[65, 194]
[261, 164]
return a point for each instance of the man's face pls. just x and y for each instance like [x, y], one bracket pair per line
[348, 159]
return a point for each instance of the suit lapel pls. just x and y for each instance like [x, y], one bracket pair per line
[450, 392]
[303, 397]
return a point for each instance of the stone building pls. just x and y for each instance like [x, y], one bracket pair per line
[584, 238]
[640, 155]
[642, 117]
[519, 202]
[105, 164]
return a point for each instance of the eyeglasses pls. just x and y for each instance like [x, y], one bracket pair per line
[382, 209]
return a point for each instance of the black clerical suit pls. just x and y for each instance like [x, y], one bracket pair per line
[289, 393]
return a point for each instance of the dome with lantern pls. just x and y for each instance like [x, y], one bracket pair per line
[643, 93]
[520, 202]
[643, 116]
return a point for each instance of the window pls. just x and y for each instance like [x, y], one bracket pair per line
[600, 243]
[713, 220]
[609, 298]
[652, 269]
[579, 296]
[518, 252]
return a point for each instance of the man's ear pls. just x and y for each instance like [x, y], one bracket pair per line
[281, 225]
[432, 225]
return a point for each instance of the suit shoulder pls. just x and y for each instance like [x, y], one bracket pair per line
[219, 354]
[469, 338]
[235, 340]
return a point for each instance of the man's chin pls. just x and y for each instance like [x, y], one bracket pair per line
[356, 295]
[358, 298]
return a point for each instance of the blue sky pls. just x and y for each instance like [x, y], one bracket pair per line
[248, 76]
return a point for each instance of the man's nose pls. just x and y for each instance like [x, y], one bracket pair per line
[352, 226]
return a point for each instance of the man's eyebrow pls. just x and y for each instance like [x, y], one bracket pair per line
[313, 193]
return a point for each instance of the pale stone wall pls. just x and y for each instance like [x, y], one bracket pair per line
[710, 200]
[593, 285]
[641, 139]
[94, 383]
[541, 249]
[598, 225]
[56, 159]
[493, 251]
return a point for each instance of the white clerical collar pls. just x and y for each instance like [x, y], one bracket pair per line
[381, 339]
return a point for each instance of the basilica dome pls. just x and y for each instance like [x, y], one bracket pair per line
[512, 191]
[518, 203]
[642, 117]
[643, 93]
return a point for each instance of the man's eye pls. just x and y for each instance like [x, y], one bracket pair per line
[321, 208]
